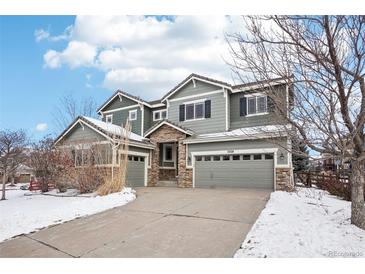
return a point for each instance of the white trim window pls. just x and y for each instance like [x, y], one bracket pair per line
[159, 115]
[132, 115]
[194, 110]
[109, 119]
[257, 105]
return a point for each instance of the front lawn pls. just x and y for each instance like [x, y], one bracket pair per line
[305, 223]
[25, 211]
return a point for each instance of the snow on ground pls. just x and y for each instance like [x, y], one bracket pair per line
[25, 211]
[306, 223]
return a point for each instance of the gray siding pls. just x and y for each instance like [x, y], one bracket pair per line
[159, 108]
[82, 135]
[116, 103]
[189, 89]
[237, 121]
[147, 122]
[244, 144]
[138, 149]
[217, 122]
[87, 135]
[120, 117]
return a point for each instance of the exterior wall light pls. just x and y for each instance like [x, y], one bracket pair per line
[281, 157]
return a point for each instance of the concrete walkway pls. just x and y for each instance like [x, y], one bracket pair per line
[161, 222]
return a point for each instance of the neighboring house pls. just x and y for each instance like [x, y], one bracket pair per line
[22, 174]
[331, 163]
[202, 133]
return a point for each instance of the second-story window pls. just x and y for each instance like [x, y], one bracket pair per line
[109, 119]
[256, 105]
[159, 115]
[194, 111]
[133, 115]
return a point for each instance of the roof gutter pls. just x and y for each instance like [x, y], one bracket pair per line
[233, 138]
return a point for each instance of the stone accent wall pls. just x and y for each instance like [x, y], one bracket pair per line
[154, 170]
[151, 177]
[167, 134]
[185, 178]
[167, 174]
[284, 180]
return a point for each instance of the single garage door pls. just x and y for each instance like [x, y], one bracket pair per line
[136, 171]
[241, 170]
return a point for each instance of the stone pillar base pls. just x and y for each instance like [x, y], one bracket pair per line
[284, 180]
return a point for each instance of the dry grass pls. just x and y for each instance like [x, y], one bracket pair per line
[117, 180]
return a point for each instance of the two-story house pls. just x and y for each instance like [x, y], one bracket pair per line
[202, 133]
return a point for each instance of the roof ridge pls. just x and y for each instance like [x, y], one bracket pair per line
[260, 82]
[138, 98]
[155, 126]
[197, 76]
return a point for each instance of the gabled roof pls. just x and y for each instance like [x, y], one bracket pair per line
[109, 131]
[124, 94]
[260, 84]
[168, 123]
[195, 76]
[155, 102]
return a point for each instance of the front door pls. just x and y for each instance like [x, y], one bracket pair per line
[168, 161]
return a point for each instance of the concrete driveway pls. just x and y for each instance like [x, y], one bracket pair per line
[161, 222]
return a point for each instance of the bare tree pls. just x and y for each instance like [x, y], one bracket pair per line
[42, 161]
[69, 108]
[12, 148]
[322, 58]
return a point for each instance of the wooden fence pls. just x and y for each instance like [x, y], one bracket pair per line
[336, 184]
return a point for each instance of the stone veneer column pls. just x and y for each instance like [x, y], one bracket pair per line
[153, 172]
[185, 175]
[284, 180]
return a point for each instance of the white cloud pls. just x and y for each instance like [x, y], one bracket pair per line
[41, 127]
[76, 54]
[41, 34]
[144, 55]
[52, 59]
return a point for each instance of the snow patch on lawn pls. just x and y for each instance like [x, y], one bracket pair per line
[26, 211]
[306, 223]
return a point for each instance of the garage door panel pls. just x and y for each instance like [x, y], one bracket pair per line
[235, 173]
[135, 173]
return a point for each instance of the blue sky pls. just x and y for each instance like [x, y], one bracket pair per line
[44, 57]
[29, 91]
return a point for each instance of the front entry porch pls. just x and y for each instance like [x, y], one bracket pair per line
[168, 167]
[168, 159]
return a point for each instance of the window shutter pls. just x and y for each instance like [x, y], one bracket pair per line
[243, 106]
[182, 113]
[270, 104]
[207, 108]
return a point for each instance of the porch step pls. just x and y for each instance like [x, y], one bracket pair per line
[167, 183]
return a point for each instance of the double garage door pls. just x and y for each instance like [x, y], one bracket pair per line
[240, 170]
[136, 171]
